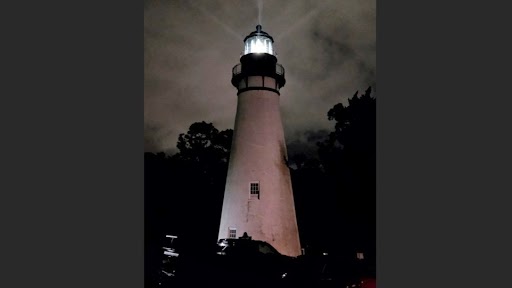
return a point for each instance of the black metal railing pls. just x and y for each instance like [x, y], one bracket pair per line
[279, 69]
[237, 69]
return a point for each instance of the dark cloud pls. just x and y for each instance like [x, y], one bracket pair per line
[327, 48]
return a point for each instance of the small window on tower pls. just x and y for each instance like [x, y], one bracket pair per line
[232, 232]
[255, 190]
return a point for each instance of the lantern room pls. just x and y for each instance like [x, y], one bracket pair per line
[258, 42]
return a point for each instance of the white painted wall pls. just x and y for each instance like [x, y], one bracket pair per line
[258, 153]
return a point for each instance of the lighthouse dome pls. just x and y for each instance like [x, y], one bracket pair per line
[258, 42]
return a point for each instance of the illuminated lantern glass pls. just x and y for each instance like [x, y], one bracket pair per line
[258, 42]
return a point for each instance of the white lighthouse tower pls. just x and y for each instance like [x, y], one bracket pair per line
[258, 197]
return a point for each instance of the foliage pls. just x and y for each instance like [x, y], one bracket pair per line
[183, 193]
[349, 157]
[203, 143]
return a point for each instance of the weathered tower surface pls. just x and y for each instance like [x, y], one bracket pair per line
[258, 197]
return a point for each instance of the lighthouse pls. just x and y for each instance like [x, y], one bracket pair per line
[258, 196]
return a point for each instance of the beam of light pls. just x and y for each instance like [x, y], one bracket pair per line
[216, 20]
[303, 20]
[260, 11]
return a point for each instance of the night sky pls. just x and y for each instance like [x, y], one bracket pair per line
[327, 48]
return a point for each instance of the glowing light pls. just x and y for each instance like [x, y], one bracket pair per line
[258, 44]
[259, 47]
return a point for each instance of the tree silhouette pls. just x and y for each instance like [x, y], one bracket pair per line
[203, 143]
[349, 157]
[184, 193]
